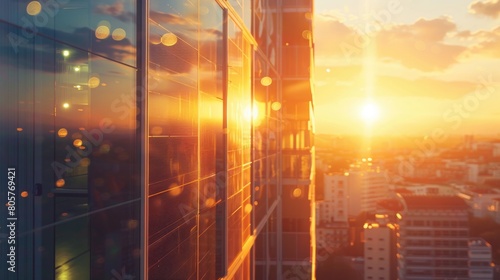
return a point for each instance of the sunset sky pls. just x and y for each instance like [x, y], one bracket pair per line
[414, 66]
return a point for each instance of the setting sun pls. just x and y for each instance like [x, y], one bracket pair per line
[370, 112]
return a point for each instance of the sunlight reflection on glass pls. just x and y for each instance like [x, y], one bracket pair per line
[251, 114]
[65, 105]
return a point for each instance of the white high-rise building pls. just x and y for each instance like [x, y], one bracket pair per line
[480, 255]
[433, 239]
[380, 250]
[366, 188]
[335, 204]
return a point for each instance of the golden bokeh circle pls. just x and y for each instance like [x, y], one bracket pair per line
[119, 34]
[33, 8]
[60, 183]
[77, 143]
[102, 32]
[169, 39]
[266, 81]
[94, 82]
[297, 192]
[276, 106]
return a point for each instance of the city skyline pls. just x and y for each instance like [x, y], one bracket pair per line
[407, 67]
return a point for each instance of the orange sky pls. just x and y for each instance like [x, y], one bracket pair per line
[425, 65]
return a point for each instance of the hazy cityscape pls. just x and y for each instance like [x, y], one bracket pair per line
[402, 208]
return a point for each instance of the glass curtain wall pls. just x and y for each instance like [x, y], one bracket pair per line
[185, 134]
[68, 117]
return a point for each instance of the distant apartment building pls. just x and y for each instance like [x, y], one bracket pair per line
[480, 256]
[433, 238]
[334, 207]
[482, 203]
[380, 250]
[332, 230]
[365, 189]
[428, 189]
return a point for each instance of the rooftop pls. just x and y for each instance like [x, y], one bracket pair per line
[434, 202]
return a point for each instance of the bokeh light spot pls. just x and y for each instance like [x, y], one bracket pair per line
[60, 183]
[276, 105]
[169, 39]
[248, 208]
[119, 34]
[33, 8]
[94, 82]
[102, 32]
[266, 81]
[77, 143]
[209, 202]
[297, 192]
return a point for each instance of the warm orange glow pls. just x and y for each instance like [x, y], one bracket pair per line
[24, 194]
[248, 208]
[209, 202]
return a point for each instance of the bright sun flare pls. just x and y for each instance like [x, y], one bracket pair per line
[370, 112]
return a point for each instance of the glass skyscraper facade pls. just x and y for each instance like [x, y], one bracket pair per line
[156, 139]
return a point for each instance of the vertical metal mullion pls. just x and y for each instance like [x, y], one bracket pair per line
[142, 100]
